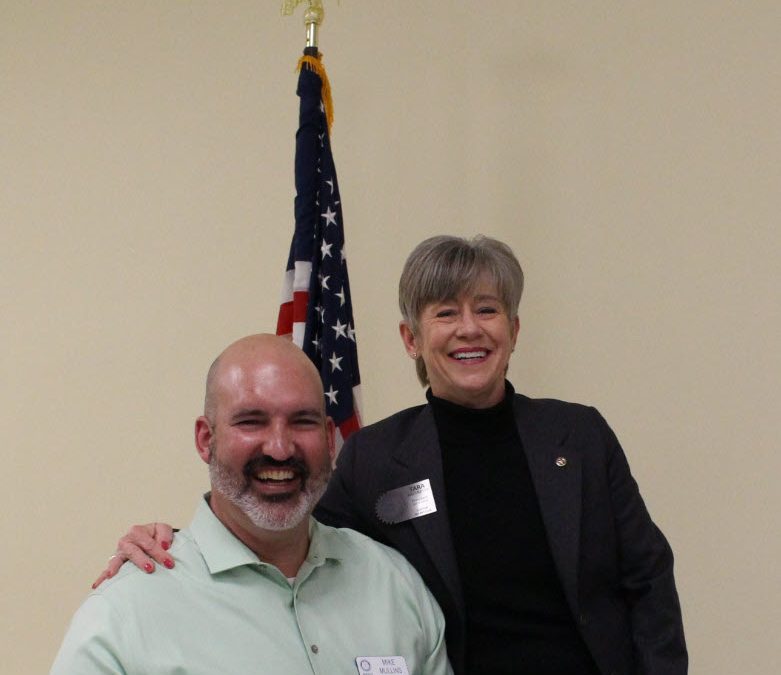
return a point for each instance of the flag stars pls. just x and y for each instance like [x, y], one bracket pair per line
[339, 329]
[331, 394]
[351, 333]
[330, 216]
[324, 282]
[325, 250]
[331, 183]
[316, 343]
[340, 295]
[335, 361]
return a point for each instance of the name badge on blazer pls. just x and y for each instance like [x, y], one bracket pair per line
[407, 502]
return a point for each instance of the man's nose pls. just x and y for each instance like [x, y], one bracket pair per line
[279, 443]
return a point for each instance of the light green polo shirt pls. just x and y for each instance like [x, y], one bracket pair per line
[222, 610]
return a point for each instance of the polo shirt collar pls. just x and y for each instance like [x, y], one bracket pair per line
[222, 551]
[323, 544]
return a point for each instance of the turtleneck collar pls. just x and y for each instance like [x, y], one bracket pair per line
[461, 425]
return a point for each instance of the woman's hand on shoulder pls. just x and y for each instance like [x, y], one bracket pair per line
[143, 545]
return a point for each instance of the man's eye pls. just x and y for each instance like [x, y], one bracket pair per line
[308, 421]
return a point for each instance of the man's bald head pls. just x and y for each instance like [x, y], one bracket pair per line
[254, 351]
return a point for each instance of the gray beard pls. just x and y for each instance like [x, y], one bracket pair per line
[275, 515]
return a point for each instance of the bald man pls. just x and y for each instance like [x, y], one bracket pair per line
[258, 585]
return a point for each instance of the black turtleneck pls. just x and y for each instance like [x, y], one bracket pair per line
[518, 620]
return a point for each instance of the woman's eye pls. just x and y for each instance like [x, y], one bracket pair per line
[487, 310]
[445, 313]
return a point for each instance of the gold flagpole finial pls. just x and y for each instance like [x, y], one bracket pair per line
[313, 17]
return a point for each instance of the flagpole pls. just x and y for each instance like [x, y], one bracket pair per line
[313, 17]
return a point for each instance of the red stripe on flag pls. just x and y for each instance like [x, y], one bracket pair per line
[349, 426]
[300, 303]
[285, 319]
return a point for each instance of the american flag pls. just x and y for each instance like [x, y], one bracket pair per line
[316, 309]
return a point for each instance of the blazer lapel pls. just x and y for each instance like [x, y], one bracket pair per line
[555, 466]
[417, 458]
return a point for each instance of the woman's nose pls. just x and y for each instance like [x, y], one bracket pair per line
[468, 324]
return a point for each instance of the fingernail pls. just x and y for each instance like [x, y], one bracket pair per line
[94, 586]
[166, 545]
[148, 567]
[168, 563]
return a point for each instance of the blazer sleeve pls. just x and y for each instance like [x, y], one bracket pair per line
[645, 562]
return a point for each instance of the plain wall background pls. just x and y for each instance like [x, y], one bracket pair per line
[628, 152]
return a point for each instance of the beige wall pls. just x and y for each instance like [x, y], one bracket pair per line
[629, 152]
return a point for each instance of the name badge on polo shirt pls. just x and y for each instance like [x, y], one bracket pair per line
[381, 665]
[407, 502]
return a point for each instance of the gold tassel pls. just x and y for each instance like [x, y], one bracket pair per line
[314, 64]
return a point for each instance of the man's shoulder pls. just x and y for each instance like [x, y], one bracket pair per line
[132, 585]
[360, 550]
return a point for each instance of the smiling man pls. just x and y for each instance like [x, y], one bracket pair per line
[259, 586]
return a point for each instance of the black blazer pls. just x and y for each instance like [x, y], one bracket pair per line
[615, 566]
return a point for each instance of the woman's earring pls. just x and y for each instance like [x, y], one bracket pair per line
[414, 355]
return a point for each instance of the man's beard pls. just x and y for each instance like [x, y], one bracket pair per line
[281, 512]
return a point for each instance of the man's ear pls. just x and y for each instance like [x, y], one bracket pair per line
[330, 433]
[203, 437]
[408, 338]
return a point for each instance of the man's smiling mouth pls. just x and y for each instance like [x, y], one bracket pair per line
[274, 475]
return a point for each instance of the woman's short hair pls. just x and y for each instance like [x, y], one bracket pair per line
[444, 267]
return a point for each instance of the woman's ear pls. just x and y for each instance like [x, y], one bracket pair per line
[408, 338]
